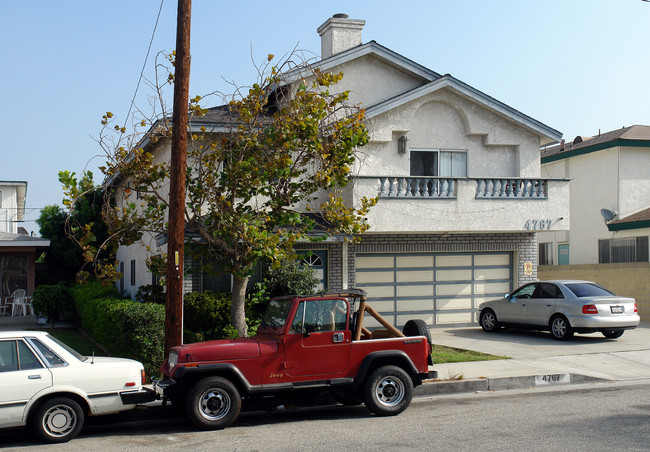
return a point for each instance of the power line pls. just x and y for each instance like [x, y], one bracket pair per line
[144, 65]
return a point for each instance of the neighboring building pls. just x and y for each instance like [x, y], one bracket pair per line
[12, 205]
[18, 251]
[610, 198]
[457, 173]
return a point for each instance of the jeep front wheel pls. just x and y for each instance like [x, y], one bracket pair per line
[388, 391]
[213, 403]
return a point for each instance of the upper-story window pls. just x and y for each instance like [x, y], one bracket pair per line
[436, 162]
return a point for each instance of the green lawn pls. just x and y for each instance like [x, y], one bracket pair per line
[77, 341]
[442, 354]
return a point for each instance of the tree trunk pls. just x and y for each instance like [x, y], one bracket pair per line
[237, 306]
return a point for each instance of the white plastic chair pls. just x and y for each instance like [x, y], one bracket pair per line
[18, 303]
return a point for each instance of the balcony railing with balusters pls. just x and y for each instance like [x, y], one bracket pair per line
[446, 187]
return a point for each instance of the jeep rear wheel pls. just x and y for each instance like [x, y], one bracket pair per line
[213, 403]
[388, 391]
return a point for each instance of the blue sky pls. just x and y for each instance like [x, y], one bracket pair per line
[579, 66]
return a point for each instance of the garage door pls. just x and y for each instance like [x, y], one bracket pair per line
[441, 289]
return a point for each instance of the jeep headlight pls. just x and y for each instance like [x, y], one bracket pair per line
[173, 359]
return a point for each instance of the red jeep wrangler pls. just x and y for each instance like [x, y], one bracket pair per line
[307, 347]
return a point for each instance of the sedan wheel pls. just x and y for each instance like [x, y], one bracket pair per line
[560, 328]
[58, 420]
[488, 321]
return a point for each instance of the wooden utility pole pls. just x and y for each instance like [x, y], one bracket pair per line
[178, 169]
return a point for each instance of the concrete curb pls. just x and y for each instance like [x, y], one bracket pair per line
[501, 383]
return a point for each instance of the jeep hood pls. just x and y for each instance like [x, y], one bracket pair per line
[219, 350]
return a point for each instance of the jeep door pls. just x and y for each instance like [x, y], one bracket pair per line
[318, 342]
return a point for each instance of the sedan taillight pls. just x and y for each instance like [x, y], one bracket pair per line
[636, 309]
[589, 309]
[143, 376]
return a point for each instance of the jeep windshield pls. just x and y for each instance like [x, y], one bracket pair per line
[276, 315]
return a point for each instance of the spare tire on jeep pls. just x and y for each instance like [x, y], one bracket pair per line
[417, 327]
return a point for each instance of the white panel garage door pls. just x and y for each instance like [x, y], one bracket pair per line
[439, 288]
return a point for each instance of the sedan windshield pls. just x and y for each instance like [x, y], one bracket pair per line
[588, 290]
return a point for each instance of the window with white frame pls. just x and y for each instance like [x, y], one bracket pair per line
[627, 249]
[438, 162]
[545, 255]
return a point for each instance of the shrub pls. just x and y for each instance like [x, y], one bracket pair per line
[206, 316]
[150, 293]
[290, 277]
[124, 327]
[54, 301]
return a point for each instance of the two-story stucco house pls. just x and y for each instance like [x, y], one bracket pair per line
[457, 173]
[610, 198]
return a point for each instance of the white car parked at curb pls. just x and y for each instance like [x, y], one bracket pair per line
[50, 387]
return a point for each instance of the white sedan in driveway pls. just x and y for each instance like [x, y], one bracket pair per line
[50, 387]
[562, 307]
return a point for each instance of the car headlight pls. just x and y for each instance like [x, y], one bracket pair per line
[173, 359]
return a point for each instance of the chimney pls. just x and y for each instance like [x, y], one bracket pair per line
[339, 33]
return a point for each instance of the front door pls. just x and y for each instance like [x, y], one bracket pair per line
[563, 254]
[21, 377]
[319, 340]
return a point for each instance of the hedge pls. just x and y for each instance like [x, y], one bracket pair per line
[124, 327]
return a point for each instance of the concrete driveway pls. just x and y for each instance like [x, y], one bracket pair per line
[537, 353]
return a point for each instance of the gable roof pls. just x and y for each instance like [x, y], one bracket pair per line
[632, 136]
[431, 82]
[552, 135]
[384, 54]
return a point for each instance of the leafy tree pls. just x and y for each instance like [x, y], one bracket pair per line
[64, 258]
[255, 187]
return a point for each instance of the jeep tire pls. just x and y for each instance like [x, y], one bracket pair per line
[388, 391]
[417, 327]
[213, 403]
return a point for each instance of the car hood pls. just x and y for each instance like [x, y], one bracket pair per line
[219, 350]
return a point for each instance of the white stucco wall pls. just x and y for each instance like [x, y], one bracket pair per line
[8, 209]
[617, 179]
[371, 80]
[634, 177]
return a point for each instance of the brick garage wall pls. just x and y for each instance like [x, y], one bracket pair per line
[625, 279]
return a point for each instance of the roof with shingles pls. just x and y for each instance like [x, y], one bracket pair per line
[638, 135]
[638, 220]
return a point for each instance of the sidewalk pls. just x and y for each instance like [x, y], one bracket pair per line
[537, 359]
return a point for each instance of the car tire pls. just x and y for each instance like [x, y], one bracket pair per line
[213, 403]
[611, 334]
[560, 328]
[488, 321]
[58, 420]
[417, 327]
[388, 391]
